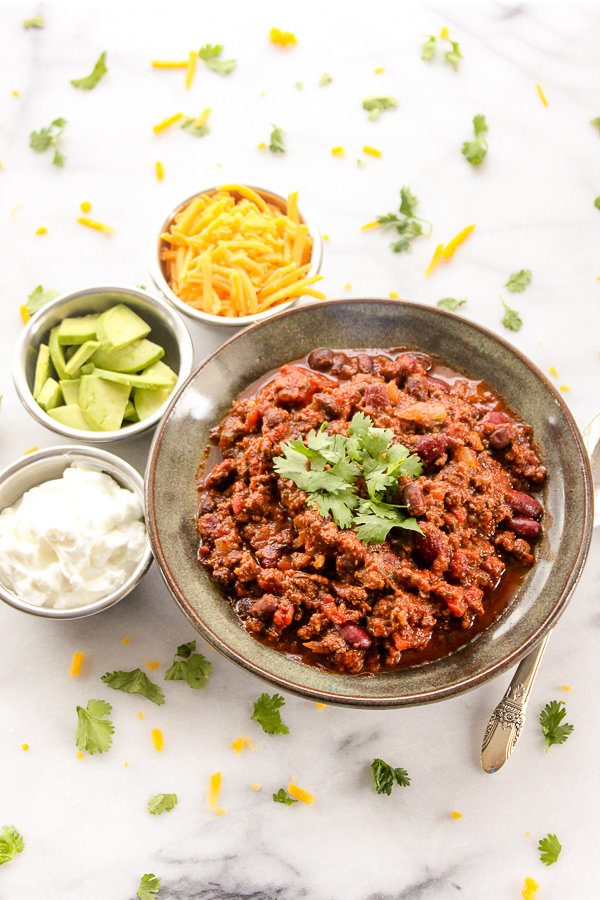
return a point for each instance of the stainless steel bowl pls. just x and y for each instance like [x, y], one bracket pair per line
[46, 465]
[168, 330]
[158, 276]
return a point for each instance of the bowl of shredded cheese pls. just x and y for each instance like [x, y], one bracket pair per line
[235, 255]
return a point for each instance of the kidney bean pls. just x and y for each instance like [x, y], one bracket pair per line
[414, 498]
[206, 504]
[416, 386]
[354, 634]
[264, 607]
[496, 418]
[320, 360]
[431, 446]
[526, 528]
[500, 438]
[430, 544]
[365, 363]
[328, 404]
[523, 504]
[437, 385]
[338, 362]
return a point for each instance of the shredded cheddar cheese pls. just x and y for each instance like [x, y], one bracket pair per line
[191, 69]
[456, 815]
[25, 746]
[444, 33]
[283, 38]
[80, 755]
[379, 71]
[299, 794]
[527, 834]
[321, 705]
[371, 151]
[369, 225]
[256, 787]
[97, 226]
[125, 640]
[126, 765]
[348, 287]
[530, 889]
[14, 209]
[553, 371]
[541, 93]
[394, 295]
[261, 146]
[42, 230]
[241, 742]
[436, 258]
[25, 314]
[160, 171]
[15, 93]
[31, 450]
[338, 151]
[566, 687]
[230, 253]
[153, 665]
[76, 664]
[564, 388]
[449, 249]
[140, 715]
[325, 237]
[85, 206]
[164, 123]
[167, 64]
[157, 739]
[214, 788]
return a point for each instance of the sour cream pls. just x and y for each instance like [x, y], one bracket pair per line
[71, 541]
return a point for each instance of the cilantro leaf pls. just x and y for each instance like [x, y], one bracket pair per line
[93, 728]
[597, 202]
[479, 125]
[389, 219]
[409, 202]
[48, 137]
[36, 22]
[375, 105]
[454, 55]
[161, 803]
[135, 682]
[277, 136]
[550, 720]
[325, 79]
[511, 318]
[518, 281]
[149, 885]
[194, 670]
[476, 150]
[282, 797]
[429, 48]
[186, 650]
[410, 226]
[99, 70]
[38, 298]
[211, 55]
[11, 843]
[450, 303]
[596, 122]
[383, 777]
[375, 520]
[549, 848]
[266, 713]
[197, 130]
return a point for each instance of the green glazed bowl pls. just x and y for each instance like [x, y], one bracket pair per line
[203, 400]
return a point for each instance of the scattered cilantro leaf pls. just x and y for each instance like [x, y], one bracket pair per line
[211, 53]
[48, 137]
[282, 797]
[38, 298]
[186, 650]
[408, 202]
[360, 163]
[266, 713]
[450, 303]
[36, 22]
[99, 70]
[277, 145]
[196, 130]
[518, 281]
[549, 848]
[135, 682]
[383, 777]
[299, 85]
[596, 122]
[597, 202]
[93, 728]
[11, 843]
[375, 105]
[429, 48]
[194, 670]
[325, 79]
[550, 720]
[476, 150]
[408, 227]
[454, 55]
[149, 885]
[511, 318]
[161, 803]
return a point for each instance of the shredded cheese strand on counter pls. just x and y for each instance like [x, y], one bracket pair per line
[449, 249]
[214, 788]
[371, 151]
[168, 64]
[165, 123]
[97, 226]
[76, 663]
[157, 739]
[160, 171]
[191, 69]
[541, 93]
[299, 794]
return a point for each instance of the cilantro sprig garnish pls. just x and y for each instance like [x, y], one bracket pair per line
[48, 137]
[94, 730]
[36, 22]
[149, 885]
[211, 54]
[191, 667]
[276, 145]
[161, 803]
[39, 297]
[135, 682]
[11, 843]
[282, 797]
[511, 318]
[453, 55]
[596, 123]
[518, 281]
[376, 105]
[549, 848]
[197, 130]
[450, 303]
[266, 713]
[550, 719]
[476, 150]
[407, 224]
[383, 777]
[334, 464]
[90, 81]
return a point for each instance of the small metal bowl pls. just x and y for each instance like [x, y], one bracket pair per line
[168, 330]
[46, 465]
[155, 263]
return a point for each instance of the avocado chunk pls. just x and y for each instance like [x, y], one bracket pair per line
[152, 381]
[70, 391]
[72, 416]
[56, 354]
[118, 327]
[147, 402]
[42, 370]
[130, 414]
[81, 356]
[50, 395]
[132, 358]
[78, 329]
[103, 402]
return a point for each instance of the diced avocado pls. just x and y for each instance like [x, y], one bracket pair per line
[70, 391]
[120, 326]
[152, 381]
[162, 370]
[88, 369]
[72, 416]
[147, 402]
[81, 356]
[129, 411]
[103, 402]
[57, 355]
[78, 329]
[50, 395]
[42, 370]
[132, 358]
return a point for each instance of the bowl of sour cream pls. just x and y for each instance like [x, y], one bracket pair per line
[72, 535]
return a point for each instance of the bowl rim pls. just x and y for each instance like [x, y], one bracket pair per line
[73, 453]
[174, 322]
[335, 697]
[160, 282]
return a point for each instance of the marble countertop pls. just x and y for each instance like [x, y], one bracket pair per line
[85, 822]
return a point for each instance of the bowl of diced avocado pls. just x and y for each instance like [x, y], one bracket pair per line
[102, 363]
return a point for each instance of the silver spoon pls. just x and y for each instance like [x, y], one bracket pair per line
[507, 720]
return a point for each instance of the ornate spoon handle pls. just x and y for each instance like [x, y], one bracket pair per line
[507, 720]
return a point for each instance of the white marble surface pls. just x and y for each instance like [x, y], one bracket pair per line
[86, 828]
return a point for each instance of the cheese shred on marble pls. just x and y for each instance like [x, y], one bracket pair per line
[76, 664]
[530, 889]
[214, 788]
[299, 794]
